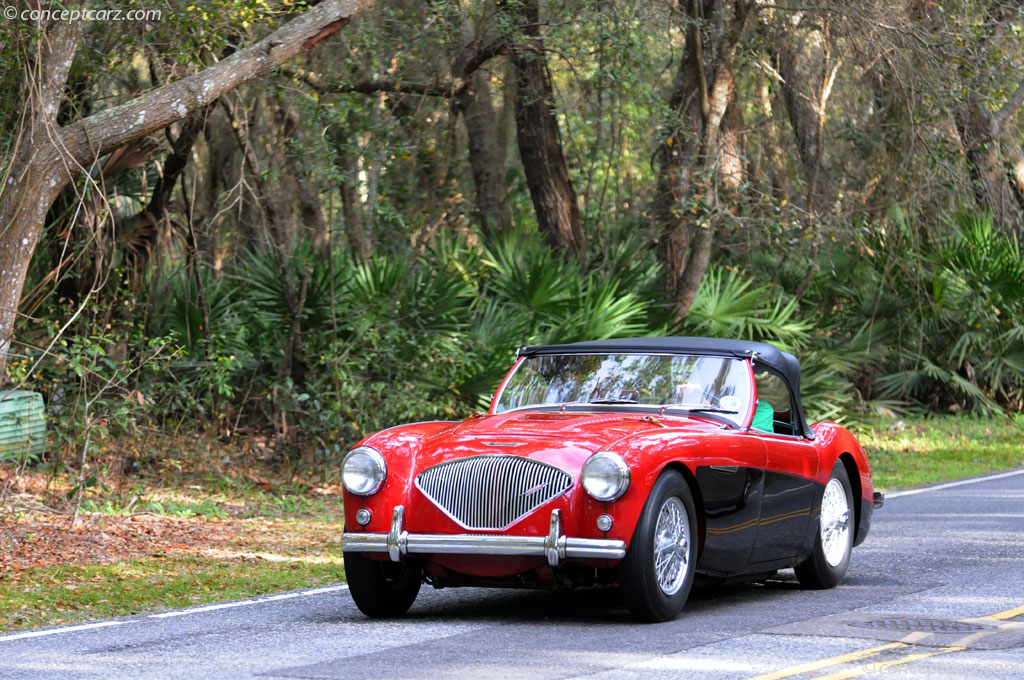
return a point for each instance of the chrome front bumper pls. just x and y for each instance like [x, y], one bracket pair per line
[555, 546]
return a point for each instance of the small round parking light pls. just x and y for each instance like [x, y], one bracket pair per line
[363, 516]
[604, 523]
[605, 476]
[363, 471]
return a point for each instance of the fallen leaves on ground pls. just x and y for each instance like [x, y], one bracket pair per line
[37, 540]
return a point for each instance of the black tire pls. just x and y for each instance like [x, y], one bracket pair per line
[382, 589]
[817, 571]
[646, 598]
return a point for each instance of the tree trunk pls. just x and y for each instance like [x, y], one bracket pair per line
[486, 158]
[775, 182]
[48, 156]
[34, 177]
[806, 88]
[997, 180]
[220, 157]
[540, 147]
[306, 190]
[359, 242]
[700, 152]
[141, 231]
[995, 164]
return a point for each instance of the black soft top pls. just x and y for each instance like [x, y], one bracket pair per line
[783, 363]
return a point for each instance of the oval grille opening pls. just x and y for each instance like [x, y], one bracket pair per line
[492, 492]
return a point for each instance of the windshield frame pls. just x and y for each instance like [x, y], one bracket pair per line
[742, 421]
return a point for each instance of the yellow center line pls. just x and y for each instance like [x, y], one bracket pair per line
[876, 667]
[1008, 614]
[873, 651]
[825, 663]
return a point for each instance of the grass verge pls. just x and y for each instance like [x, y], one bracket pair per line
[48, 596]
[182, 546]
[916, 451]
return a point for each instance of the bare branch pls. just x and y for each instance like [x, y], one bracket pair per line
[470, 60]
[104, 131]
[1007, 110]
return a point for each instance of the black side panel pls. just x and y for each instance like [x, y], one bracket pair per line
[732, 506]
[789, 503]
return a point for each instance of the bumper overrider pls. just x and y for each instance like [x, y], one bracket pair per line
[555, 546]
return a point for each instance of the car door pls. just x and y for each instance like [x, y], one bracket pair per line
[789, 477]
[731, 487]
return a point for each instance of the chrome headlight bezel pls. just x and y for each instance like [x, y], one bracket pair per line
[374, 471]
[605, 476]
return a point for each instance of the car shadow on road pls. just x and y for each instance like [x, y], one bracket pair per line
[590, 605]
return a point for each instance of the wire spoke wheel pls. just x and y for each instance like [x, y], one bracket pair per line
[671, 546]
[835, 523]
[833, 544]
[658, 570]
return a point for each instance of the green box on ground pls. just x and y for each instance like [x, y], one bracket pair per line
[22, 425]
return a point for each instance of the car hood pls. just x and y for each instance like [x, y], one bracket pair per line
[562, 439]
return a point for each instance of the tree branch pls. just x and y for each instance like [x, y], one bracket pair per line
[1004, 113]
[470, 60]
[437, 89]
[104, 131]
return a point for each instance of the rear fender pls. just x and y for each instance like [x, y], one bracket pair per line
[837, 443]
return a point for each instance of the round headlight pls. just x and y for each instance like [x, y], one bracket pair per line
[363, 471]
[605, 476]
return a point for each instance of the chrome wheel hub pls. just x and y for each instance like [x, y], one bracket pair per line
[835, 523]
[672, 546]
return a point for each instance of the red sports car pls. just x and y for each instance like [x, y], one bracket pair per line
[634, 462]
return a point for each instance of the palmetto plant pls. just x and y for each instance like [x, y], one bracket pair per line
[943, 317]
[182, 321]
[420, 336]
[979, 307]
[730, 306]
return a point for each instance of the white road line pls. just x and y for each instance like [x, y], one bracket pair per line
[54, 631]
[199, 610]
[304, 593]
[243, 603]
[182, 612]
[939, 487]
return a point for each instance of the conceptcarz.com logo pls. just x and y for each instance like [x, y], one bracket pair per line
[41, 15]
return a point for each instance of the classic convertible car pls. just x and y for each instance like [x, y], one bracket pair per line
[634, 463]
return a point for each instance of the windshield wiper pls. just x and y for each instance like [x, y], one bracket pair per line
[709, 409]
[613, 401]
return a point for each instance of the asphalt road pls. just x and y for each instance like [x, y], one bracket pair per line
[914, 605]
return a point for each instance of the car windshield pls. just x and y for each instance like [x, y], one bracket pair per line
[716, 385]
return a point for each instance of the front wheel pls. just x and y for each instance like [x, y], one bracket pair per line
[382, 589]
[657, 573]
[827, 565]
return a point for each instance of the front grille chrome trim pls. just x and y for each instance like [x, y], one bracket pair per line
[492, 492]
[556, 547]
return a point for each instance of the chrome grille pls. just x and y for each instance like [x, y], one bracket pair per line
[492, 492]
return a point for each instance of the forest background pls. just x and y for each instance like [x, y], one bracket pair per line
[246, 229]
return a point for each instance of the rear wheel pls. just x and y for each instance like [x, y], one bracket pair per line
[657, 573]
[827, 565]
[382, 589]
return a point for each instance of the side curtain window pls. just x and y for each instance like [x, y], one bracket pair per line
[772, 390]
